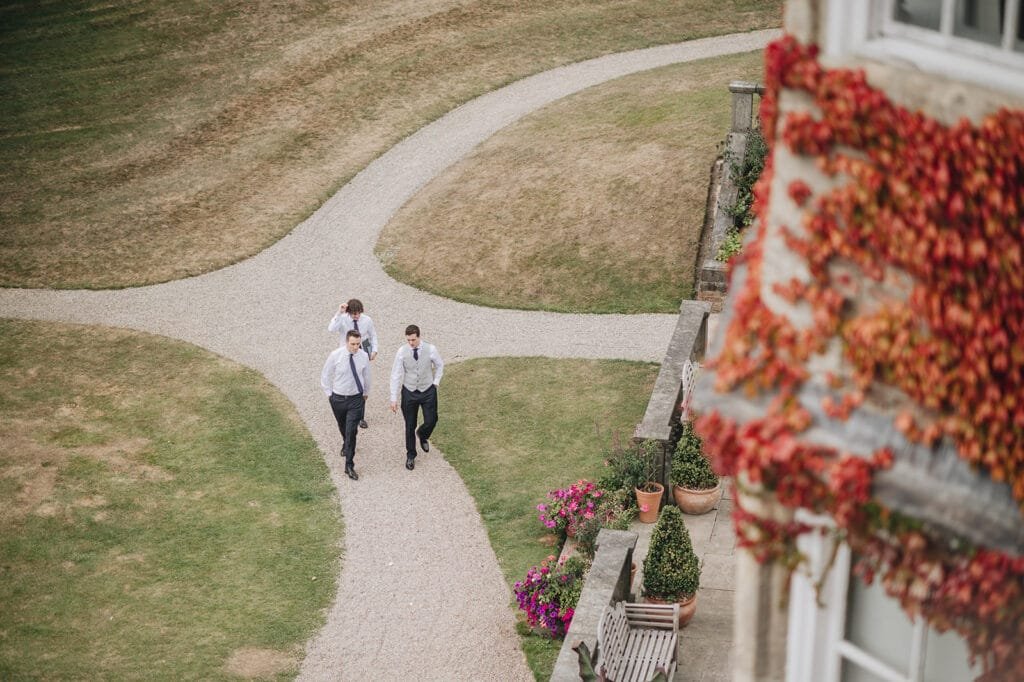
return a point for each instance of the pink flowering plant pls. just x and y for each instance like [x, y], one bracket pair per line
[549, 594]
[567, 508]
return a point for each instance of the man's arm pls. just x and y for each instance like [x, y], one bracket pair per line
[435, 358]
[372, 334]
[397, 372]
[326, 375]
[366, 379]
[338, 322]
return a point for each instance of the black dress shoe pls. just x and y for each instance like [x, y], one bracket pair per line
[425, 444]
[410, 463]
[351, 473]
[363, 424]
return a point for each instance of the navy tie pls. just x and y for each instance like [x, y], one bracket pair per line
[355, 374]
[416, 354]
[355, 324]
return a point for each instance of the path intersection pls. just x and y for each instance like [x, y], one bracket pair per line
[420, 595]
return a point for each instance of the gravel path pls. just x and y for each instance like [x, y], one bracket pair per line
[420, 594]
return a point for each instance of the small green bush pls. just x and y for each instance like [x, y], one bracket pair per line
[630, 467]
[690, 467]
[730, 246]
[745, 173]
[616, 511]
[671, 569]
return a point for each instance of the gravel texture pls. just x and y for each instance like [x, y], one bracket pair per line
[420, 594]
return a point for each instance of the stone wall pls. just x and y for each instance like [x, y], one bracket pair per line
[607, 582]
[712, 281]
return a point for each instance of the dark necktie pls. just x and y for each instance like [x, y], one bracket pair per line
[355, 374]
[355, 324]
[416, 354]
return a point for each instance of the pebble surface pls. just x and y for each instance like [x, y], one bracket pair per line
[420, 595]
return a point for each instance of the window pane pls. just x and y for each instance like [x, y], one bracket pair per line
[854, 673]
[946, 659]
[923, 13]
[877, 625]
[1018, 44]
[980, 20]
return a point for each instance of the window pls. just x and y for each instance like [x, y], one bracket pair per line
[979, 41]
[860, 634]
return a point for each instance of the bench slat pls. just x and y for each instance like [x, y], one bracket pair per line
[636, 639]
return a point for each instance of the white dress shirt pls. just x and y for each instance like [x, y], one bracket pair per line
[398, 369]
[343, 322]
[336, 376]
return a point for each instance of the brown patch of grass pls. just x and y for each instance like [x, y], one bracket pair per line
[593, 204]
[169, 141]
[252, 663]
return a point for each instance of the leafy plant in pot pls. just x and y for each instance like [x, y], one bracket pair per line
[695, 486]
[640, 467]
[634, 469]
[671, 569]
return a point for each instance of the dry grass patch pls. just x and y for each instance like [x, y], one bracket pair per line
[163, 510]
[593, 204]
[152, 141]
[259, 664]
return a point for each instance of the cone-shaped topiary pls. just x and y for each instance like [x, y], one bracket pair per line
[671, 570]
[690, 468]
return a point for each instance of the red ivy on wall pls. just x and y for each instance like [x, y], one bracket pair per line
[945, 206]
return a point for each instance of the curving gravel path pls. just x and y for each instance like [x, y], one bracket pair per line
[420, 594]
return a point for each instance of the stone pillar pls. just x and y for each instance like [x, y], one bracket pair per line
[760, 615]
[743, 104]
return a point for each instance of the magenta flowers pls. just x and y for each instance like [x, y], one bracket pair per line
[549, 594]
[568, 506]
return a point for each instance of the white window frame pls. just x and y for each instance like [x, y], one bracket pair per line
[864, 28]
[815, 643]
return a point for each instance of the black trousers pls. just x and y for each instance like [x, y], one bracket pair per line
[348, 410]
[412, 401]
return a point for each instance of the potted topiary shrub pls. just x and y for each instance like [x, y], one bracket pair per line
[695, 486]
[671, 569]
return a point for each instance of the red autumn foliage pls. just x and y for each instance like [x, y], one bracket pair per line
[944, 205]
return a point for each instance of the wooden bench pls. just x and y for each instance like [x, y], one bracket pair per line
[635, 640]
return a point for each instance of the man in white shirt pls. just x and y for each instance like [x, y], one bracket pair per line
[350, 316]
[345, 380]
[417, 372]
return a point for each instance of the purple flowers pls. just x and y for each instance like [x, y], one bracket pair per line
[568, 506]
[549, 595]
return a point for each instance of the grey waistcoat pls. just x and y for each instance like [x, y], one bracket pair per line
[419, 374]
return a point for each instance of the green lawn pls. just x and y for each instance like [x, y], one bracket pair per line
[166, 515]
[516, 428]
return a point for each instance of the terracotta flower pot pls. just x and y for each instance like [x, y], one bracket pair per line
[652, 501]
[697, 501]
[687, 607]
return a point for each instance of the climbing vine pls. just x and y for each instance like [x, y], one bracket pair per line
[938, 210]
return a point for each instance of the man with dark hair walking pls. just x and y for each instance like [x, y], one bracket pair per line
[345, 380]
[417, 372]
[350, 317]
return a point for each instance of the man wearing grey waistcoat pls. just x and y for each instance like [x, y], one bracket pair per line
[417, 372]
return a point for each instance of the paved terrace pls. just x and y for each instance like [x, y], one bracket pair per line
[420, 594]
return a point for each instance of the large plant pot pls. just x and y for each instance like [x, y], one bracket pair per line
[652, 501]
[697, 501]
[687, 607]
